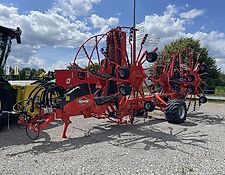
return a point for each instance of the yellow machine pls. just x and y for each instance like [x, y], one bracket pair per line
[22, 97]
[17, 96]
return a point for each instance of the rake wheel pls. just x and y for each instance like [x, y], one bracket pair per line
[176, 111]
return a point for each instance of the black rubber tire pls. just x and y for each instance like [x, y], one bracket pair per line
[202, 99]
[125, 89]
[149, 106]
[7, 101]
[190, 78]
[176, 111]
[190, 89]
[151, 57]
[124, 72]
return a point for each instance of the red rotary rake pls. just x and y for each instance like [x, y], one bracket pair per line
[171, 75]
[114, 85]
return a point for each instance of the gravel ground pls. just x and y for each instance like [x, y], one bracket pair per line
[150, 146]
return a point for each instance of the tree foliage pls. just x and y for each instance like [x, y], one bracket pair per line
[222, 79]
[1, 71]
[94, 68]
[212, 79]
[27, 73]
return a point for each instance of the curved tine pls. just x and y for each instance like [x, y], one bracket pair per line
[86, 42]
[96, 47]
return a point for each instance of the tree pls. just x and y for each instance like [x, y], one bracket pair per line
[27, 73]
[23, 73]
[94, 68]
[212, 79]
[40, 73]
[222, 79]
[2, 72]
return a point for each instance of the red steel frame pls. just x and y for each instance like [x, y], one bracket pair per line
[114, 58]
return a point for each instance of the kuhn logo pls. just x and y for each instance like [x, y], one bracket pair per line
[83, 101]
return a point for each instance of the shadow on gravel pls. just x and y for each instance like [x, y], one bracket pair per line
[143, 136]
[200, 117]
[16, 135]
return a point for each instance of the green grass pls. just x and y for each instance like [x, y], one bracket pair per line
[220, 91]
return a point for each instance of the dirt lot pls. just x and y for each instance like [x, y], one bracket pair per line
[150, 146]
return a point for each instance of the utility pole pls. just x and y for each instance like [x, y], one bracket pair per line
[134, 14]
[134, 31]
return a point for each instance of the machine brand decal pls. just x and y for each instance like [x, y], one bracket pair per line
[83, 101]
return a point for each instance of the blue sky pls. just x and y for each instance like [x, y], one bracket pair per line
[53, 29]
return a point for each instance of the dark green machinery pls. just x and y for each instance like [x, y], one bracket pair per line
[7, 97]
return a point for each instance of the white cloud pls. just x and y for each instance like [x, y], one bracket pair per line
[192, 14]
[41, 29]
[7, 12]
[171, 10]
[56, 27]
[214, 41]
[73, 8]
[166, 25]
[23, 52]
[103, 24]
[172, 25]
[33, 62]
[61, 64]
[45, 28]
